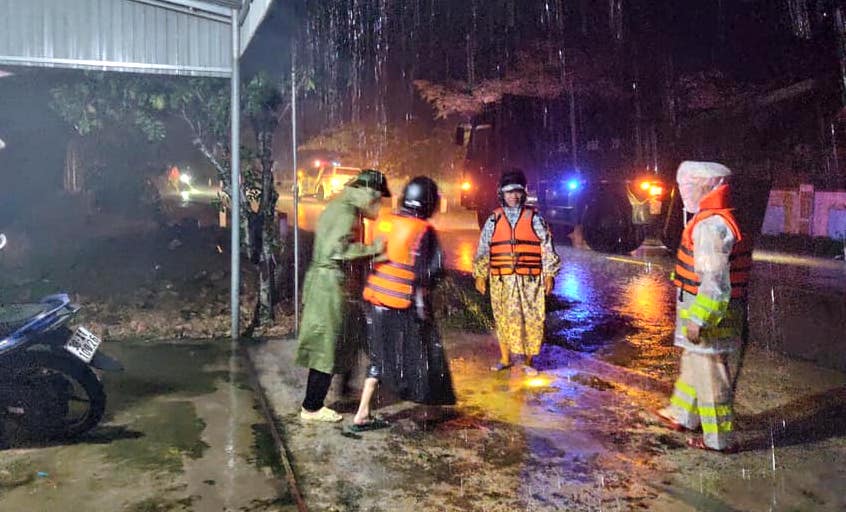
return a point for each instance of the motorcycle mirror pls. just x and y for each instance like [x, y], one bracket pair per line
[2, 241]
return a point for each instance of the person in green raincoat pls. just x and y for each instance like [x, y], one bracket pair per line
[325, 293]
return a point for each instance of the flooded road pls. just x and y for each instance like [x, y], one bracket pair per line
[181, 433]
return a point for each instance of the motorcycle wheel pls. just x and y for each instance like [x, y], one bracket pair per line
[60, 398]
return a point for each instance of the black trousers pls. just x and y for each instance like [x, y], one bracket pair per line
[317, 388]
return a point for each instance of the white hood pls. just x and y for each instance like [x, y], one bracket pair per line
[696, 179]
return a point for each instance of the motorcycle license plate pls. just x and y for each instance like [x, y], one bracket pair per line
[83, 344]
[655, 207]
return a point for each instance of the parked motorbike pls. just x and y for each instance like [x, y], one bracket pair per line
[49, 388]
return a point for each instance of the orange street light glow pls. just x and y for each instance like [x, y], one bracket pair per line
[466, 186]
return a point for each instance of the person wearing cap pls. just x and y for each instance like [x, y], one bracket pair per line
[712, 273]
[405, 349]
[323, 340]
[516, 257]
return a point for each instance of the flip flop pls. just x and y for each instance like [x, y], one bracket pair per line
[498, 367]
[668, 422]
[699, 443]
[530, 370]
[371, 424]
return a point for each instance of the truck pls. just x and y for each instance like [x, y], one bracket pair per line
[324, 179]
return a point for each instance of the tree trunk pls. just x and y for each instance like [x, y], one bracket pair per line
[270, 244]
[73, 181]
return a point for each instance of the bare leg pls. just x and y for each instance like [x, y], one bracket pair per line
[367, 392]
[504, 354]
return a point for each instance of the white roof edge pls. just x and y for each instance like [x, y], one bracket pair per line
[103, 65]
[220, 7]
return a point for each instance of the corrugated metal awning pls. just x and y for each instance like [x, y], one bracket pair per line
[178, 37]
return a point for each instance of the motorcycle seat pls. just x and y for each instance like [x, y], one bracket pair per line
[15, 316]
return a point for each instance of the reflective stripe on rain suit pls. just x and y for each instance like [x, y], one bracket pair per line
[702, 394]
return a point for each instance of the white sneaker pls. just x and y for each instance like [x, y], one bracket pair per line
[324, 414]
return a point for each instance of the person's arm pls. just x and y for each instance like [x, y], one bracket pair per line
[549, 258]
[550, 261]
[482, 260]
[428, 268]
[344, 245]
[429, 260]
[712, 242]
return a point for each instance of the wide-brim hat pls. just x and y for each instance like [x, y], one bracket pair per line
[373, 179]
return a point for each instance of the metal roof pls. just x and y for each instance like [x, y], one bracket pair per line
[179, 37]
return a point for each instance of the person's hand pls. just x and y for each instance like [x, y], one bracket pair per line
[693, 332]
[481, 285]
[548, 283]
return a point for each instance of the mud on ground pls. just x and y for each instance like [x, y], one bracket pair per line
[577, 437]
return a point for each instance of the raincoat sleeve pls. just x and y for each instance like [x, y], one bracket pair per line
[429, 260]
[549, 258]
[344, 245]
[482, 260]
[713, 241]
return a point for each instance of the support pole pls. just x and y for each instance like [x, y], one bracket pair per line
[234, 144]
[296, 195]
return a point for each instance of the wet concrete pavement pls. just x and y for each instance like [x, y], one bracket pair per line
[579, 436]
[181, 433]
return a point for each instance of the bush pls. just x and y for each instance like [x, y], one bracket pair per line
[458, 305]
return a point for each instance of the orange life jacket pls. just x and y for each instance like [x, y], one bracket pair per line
[515, 250]
[740, 259]
[391, 283]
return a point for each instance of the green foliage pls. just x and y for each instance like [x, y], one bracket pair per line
[261, 96]
[102, 101]
[204, 104]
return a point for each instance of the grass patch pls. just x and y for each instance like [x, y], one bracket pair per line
[458, 305]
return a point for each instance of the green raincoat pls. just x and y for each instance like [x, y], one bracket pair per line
[325, 296]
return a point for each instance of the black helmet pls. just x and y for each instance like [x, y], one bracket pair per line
[371, 178]
[513, 179]
[420, 197]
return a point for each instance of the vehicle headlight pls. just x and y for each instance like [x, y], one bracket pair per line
[185, 178]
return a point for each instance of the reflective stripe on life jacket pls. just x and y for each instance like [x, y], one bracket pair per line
[515, 250]
[740, 259]
[391, 283]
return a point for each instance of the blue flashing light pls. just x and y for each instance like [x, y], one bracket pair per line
[573, 185]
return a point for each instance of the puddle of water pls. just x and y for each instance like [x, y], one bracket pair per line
[181, 435]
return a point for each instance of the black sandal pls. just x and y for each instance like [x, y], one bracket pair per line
[498, 367]
[370, 424]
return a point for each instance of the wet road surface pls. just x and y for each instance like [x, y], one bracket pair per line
[579, 436]
[575, 438]
[181, 434]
